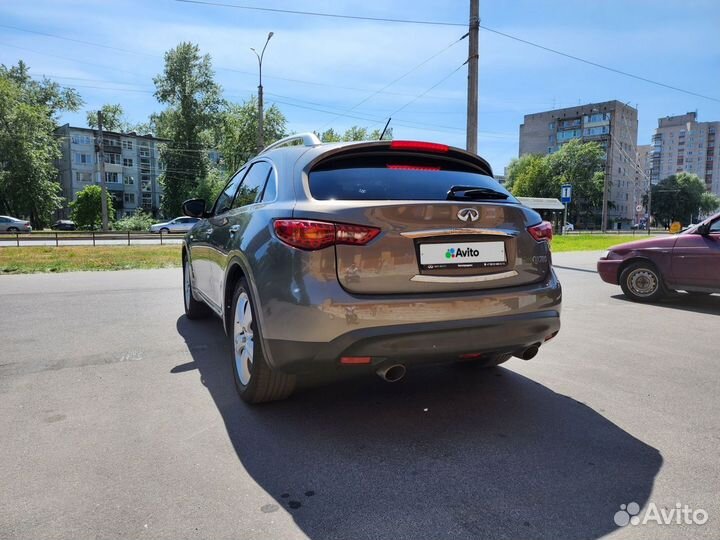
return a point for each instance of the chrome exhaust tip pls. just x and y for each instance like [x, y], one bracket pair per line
[529, 353]
[392, 372]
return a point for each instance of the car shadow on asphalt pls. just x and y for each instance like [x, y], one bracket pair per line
[448, 452]
[708, 305]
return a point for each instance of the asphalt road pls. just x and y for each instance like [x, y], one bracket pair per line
[120, 420]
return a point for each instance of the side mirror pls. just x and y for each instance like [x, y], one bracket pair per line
[194, 208]
[704, 229]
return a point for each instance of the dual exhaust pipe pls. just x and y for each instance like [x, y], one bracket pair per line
[395, 372]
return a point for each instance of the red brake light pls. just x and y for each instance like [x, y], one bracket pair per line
[412, 168]
[543, 231]
[419, 146]
[312, 235]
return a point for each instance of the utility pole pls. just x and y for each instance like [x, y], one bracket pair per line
[472, 93]
[101, 166]
[261, 133]
[608, 170]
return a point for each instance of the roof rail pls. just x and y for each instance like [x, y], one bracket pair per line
[307, 139]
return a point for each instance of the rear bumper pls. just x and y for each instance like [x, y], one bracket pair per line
[419, 343]
[608, 270]
[308, 338]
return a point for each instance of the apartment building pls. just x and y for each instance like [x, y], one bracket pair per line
[613, 125]
[682, 144]
[132, 168]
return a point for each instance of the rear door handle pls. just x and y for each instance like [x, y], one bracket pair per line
[234, 229]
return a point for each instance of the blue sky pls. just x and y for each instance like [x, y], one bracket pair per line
[318, 68]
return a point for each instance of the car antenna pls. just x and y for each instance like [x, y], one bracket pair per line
[385, 128]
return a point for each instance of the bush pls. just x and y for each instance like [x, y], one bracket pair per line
[86, 209]
[140, 221]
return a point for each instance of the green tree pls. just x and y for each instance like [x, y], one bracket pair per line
[678, 197]
[355, 133]
[709, 203]
[87, 207]
[194, 101]
[577, 163]
[209, 188]
[237, 137]
[113, 118]
[28, 146]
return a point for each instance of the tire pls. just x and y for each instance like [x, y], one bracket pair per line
[13, 229]
[164, 230]
[194, 309]
[488, 362]
[255, 380]
[642, 282]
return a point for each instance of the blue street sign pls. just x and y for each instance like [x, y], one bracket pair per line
[565, 193]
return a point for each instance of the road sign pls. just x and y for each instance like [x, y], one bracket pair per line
[565, 193]
[675, 227]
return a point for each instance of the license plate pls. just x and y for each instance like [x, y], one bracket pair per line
[462, 255]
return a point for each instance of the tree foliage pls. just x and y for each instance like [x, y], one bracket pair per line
[576, 163]
[193, 100]
[113, 118]
[237, 137]
[28, 147]
[87, 207]
[709, 203]
[355, 133]
[679, 197]
[139, 221]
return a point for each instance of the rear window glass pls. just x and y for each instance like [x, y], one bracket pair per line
[395, 178]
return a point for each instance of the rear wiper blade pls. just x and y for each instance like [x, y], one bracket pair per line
[474, 192]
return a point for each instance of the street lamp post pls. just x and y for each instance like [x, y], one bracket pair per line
[261, 136]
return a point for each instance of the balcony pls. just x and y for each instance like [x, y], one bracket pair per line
[110, 148]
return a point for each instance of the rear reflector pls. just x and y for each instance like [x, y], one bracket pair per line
[471, 355]
[356, 360]
[543, 231]
[419, 146]
[312, 235]
[412, 168]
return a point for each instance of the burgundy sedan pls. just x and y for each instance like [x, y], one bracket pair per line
[647, 269]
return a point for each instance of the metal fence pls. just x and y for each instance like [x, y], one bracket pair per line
[59, 238]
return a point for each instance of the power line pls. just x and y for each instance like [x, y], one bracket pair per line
[597, 65]
[412, 70]
[439, 23]
[327, 15]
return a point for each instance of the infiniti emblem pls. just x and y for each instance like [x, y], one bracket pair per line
[468, 214]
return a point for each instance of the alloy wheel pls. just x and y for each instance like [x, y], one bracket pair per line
[243, 338]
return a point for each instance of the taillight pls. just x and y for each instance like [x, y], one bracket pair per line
[419, 146]
[542, 231]
[311, 235]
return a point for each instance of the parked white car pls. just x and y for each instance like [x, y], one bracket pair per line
[11, 224]
[177, 225]
[569, 227]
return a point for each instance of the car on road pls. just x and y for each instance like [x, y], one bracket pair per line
[63, 225]
[568, 227]
[177, 225]
[647, 269]
[368, 257]
[14, 225]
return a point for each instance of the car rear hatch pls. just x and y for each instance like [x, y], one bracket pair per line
[444, 223]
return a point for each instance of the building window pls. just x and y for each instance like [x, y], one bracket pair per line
[112, 159]
[80, 139]
[129, 181]
[551, 126]
[129, 198]
[83, 176]
[112, 178]
[83, 159]
[147, 200]
[127, 162]
[127, 145]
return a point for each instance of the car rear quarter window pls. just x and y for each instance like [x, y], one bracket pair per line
[252, 185]
[391, 177]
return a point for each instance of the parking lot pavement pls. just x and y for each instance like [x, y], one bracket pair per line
[119, 419]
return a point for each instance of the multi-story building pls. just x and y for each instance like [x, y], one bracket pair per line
[132, 168]
[613, 125]
[682, 144]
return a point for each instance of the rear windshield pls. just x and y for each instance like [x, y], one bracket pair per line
[396, 178]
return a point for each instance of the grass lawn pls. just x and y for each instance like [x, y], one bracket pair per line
[27, 260]
[592, 242]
